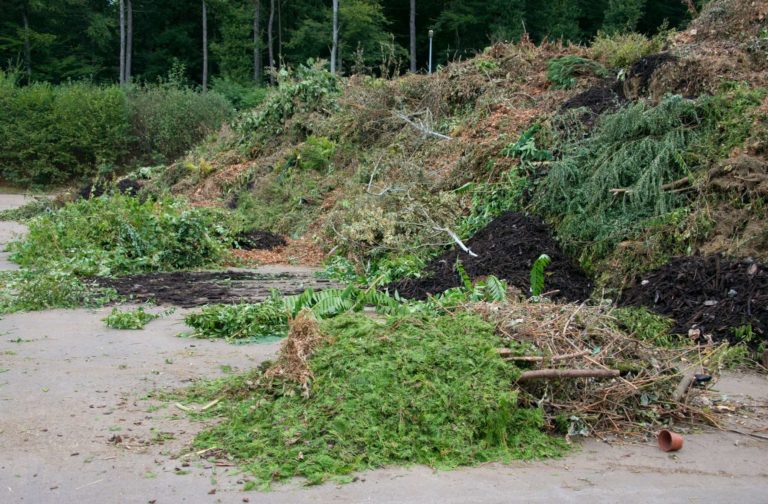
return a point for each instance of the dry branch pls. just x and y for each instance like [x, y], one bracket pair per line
[546, 374]
[423, 129]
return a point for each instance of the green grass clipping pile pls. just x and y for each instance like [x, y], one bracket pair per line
[408, 390]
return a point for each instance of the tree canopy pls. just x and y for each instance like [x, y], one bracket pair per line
[60, 40]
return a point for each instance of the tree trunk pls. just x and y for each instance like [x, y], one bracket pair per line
[27, 47]
[279, 33]
[129, 42]
[413, 35]
[270, 45]
[205, 47]
[122, 42]
[257, 41]
[335, 43]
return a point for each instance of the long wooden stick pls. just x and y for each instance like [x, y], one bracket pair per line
[545, 374]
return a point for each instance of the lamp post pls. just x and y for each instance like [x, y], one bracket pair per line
[431, 34]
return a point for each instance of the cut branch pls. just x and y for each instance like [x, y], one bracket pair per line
[547, 374]
[675, 184]
[455, 238]
[423, 129]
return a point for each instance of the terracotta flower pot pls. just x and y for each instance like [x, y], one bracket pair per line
[669, 441]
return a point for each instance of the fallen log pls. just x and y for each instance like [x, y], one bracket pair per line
[547, 374]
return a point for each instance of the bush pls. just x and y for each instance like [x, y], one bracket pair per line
[167, 120]
[309, 88]
[50, 134]
[121, 234]
[621, 50]
[54, 134]
[241, 96]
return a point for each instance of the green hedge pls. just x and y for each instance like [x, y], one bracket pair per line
[53, 134]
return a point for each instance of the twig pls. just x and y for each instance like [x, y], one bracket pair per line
[424, 130]
[568, 373]
[456, 238]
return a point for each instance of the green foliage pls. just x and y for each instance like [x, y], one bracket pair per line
[241, 96]
[636, 150]
[54, 134]
[168, 119]
[129, 319]
[50, 134]
[647, 326]
[28, 211]
[251, 322]
[27, 290]
[309, 88]
[620, 50]
[525, 148]
[120, 234]
[609, 187]
[407, 391]
[562, 71]
[537, 275]
[316, 154]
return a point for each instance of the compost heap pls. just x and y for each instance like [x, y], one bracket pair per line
[707, 296]
[507, 249]
[257, 239]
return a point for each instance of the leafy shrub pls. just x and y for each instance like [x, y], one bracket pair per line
[120, 234]
[409, 390]
[129, 319]
[241, 96]
[309, 88]
[167, 120]
[240, 322]
[620, 50]
[53, 134]
[28, 290]
[562, 71]
[50, 134]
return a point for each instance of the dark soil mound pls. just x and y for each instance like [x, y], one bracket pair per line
[507, 249]
[641, 72]
[96, 189]
[194, 288]
[259, 240]
[708, 293]
[597, 99]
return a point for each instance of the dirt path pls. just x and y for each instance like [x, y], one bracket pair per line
[78, 424]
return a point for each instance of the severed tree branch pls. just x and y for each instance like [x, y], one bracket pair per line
[423, 129]
[545, 374]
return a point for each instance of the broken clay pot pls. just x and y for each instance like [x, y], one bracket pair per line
[669, 441]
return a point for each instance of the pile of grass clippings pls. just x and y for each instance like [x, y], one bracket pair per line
[408, 390]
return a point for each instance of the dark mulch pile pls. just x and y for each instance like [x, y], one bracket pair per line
[194, 288]
[96, 189]
[507, 249]
[259, 240]
[643, 69]
[710, 293]
[597, 99]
